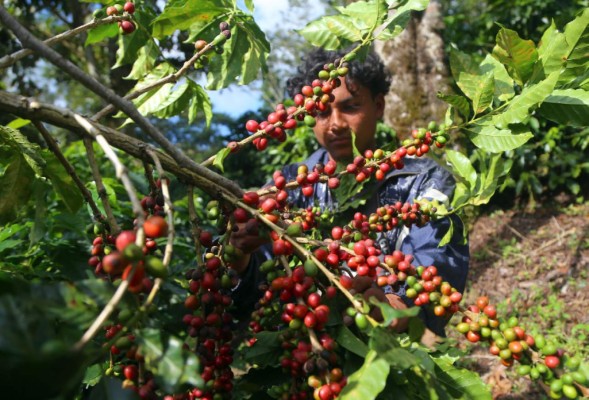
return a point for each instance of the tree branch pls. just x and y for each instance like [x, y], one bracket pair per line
[10, 59]
[107, 94]
[33, 109]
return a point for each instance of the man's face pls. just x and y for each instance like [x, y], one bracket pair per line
[354, 110]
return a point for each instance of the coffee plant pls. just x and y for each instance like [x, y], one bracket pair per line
[150, 315]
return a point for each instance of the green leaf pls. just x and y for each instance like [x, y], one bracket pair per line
[577, 39]
[18, 123]
[365, 13]
[461, 383]
[503, 82]
[462, 63]
[244, 56]
[349, 341]
[40, 222]
[173, 366]
[460, 103]
[396, 22]
[462, 167]
[101, 32]
[182, 14]
[521, 106]
[490, 179]
[552, 52]
[449, 233]
[389, 313]
[266, 351]
[63, 183]
[250, 5]
[19, 142]
[516, 54]
[490, 138]
[367, 382]
[93, 375]
[318, 34]
[343, 27]
[145, 62]
[176, 102]
[15, 187]
[386, 344]
[220, 157]
[483, 96]
[567, 107]
[200, 101]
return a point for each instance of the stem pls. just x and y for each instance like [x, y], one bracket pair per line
[195, 229]
[10, 59]
[172, 78]
[54, 147]
[112, 221]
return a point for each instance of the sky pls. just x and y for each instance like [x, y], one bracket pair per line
[268, 15]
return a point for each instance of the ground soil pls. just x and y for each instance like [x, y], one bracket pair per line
[539, 254]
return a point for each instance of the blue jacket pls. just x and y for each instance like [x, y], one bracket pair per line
[420, 178]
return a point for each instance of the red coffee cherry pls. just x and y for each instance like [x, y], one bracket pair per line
[155, 227]
[127, 27]
[129, 7]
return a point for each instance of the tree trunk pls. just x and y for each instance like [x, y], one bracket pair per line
[416, 60]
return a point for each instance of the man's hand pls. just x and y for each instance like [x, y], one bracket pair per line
[245, 236]
[363, 284]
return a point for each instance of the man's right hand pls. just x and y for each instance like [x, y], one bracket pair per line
[245, 236]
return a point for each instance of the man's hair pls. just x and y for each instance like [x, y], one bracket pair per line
[369, 73]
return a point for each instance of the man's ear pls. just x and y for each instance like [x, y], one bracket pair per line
[379, 102]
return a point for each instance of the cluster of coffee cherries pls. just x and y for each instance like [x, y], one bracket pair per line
[216, 44]
[127, 362]
[537, 357]
[126, 26]
[323, 377]
[312, 99]
[301, 308]
[117, 256]
[209, 324]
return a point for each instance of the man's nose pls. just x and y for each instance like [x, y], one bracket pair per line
[338, 121]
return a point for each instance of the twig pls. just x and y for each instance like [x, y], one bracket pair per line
[54, 147]
[168, 208]
[124, 177]
[195, 228]
[102, 193]
[10, 59]
[516, 232]
[33, 109]
[172, 78]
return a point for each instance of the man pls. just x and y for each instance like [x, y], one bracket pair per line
[358, 105]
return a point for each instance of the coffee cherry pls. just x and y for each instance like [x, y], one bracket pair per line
[552, 361]
[111, 10]
[124, 239]
[155, 227]
[310, 121]
[252, 126]
[223, 26]
[200, 44]
[127, 27]
[129, 7]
